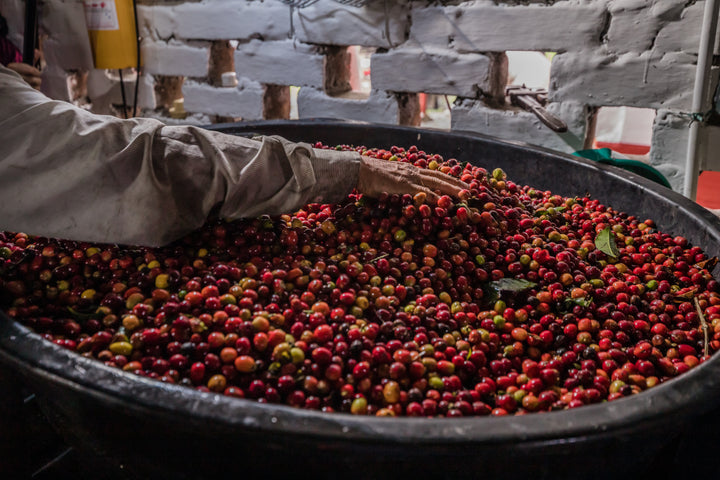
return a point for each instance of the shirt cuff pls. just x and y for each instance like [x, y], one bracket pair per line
[336, 175]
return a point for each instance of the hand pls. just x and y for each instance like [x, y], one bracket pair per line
[29, 73]
[383, 176]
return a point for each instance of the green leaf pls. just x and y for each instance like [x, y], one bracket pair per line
[605, 242]
[84, 316]
[497, 288]
[582, 301]
[512, 284]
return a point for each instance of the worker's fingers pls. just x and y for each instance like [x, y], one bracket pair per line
[445, 177]
[430, 195]
[382, 176]
[446, 184]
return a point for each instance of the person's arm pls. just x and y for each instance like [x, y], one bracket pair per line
[67, 173]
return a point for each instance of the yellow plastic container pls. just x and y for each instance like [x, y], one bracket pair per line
[112, 32]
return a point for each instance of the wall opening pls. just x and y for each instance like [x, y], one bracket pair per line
[529, 68]
[360, 73]
[294, 90]
[347, 71]
[408, 109]
[627, 131]
[168, 90]
[436, 110]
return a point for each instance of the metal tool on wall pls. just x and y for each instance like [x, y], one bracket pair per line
[534, 100]
[353, 3]
[307, 3]
[299, 3]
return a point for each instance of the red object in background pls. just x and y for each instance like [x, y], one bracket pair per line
[708, 190]
[624, 148]
[9, 53]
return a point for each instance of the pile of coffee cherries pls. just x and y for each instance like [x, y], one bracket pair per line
[505, 301]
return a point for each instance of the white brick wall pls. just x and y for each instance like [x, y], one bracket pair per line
[282, 62]
[638, 53]
[669, 144]
[245, 100]
[222, 19]
[380, 107]
[175, 58]
[330, 23]
[647, 79]
[215, 19]
[684, 33]
[415, 69]
[484, 26]
[518, 125]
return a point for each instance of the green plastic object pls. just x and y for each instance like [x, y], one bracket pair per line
[604, 155]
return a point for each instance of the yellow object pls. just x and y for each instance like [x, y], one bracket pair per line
[178, 111]
[112, 32]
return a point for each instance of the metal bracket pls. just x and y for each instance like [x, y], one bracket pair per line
[534, 100]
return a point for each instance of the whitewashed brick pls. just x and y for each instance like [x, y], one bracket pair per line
[414, 69]
[215, 20]
[632, 26]
[232, 19]
[280, 62]
[668, 150]
[519, 125]
[684, 33]
[175, 58]
[484, 26]
[245, 100]
[330, 23]
[639, 80]
[380, 107]
[156, 22]
[667, 26]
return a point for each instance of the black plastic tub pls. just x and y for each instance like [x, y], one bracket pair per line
[153, 430]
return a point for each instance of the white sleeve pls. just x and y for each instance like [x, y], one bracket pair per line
[68, 173]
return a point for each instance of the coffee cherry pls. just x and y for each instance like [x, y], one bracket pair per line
[389, 306]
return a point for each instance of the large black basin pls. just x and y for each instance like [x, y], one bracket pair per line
[156, 430]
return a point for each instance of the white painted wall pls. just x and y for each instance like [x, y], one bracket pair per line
[638, 53]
